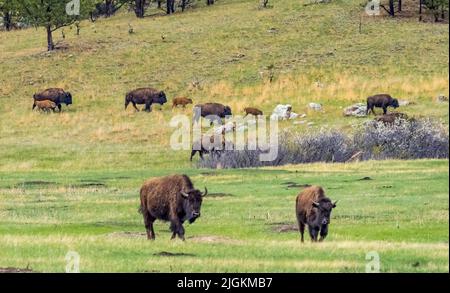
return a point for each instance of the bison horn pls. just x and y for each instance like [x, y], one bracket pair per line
[206, 192]
[334, 203]
[184, 194]
[315, 204]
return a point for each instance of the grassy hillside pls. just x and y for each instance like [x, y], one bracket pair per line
[71, 180]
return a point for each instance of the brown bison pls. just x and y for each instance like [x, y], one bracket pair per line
[313, 208]
[389, 119]
[56, 95]
[211, 144]
[381, 101]
[252, 111]
[147, 96]
[181, 101]
[45, 106]
[212, 111]
[171, 198]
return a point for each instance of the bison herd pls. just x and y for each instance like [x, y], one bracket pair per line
[174, 198]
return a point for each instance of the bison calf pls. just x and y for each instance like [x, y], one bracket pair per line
[45, 105]
[181, 101]
[313, 208]
[171, 198]
[381, 101]
[252, 111]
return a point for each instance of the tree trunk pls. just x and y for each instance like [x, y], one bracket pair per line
[391, 8]
[7, 20]
[159, 3]
[50, 45]
[183, 5]
[140, 8]
[420, 10]
[399, 5]
[170, 6]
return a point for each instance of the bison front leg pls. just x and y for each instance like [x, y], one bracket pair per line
[134, 105]
[177, 229]
[323, 233]
[59, 108]
[314, 233]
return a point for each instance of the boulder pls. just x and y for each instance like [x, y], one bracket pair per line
[315, 106]
[357, 110]
[283, 112]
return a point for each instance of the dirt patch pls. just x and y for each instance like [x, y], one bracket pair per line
[213, 239]
[16, 270]
[291, 184]
[91, 184]
[128, 234]
[166, 253]
[283, 228]
[34, 183]
[218, 194]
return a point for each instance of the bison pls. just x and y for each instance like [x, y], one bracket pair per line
[252, 111]
[181, 101]
[214, 110]
[313, 208]
[56, 95]
[172, 198]
[45, 105]
[211, 144]
[147, 96]
[389, 119]
[380, 101]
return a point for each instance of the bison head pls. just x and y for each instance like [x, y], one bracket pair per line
[227, 111]
[161, 98]
[395, 103]
[67, 99]
[323, 211]
[192, 203]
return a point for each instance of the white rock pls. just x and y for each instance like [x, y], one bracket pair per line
[281, 112]
[357, 110]
[315, 106]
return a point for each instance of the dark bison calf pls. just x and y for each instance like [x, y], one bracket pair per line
[147, 96]
[171, 198]
[252, 111]
[56, 95]
[380, 101]
[214, 110]
[313, 208]
[181, 101]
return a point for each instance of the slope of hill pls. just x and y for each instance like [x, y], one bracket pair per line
[70, 180]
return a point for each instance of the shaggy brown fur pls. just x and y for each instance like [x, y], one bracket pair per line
[381, 101]
[56, 95]
[390, 118]
[45, 106]
[209, 144]
[147, 96]
[171, 198]
[213, 109]
[313, 208]
[253, 111]
[183, 101]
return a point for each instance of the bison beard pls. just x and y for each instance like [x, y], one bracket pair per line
[171, 198]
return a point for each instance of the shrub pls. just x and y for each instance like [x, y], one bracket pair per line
[405, 139]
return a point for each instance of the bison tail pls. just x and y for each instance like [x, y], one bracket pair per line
[141, 210]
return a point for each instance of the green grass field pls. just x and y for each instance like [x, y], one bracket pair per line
[70, 181]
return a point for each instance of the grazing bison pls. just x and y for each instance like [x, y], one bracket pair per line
[215, 110]
[380, 101]
[45, 106]
[171, 198]
[56, 95]
[181, 101]
[389, 119]
[313, 208]
[211, 144]
[147, 96]
[252, 111]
